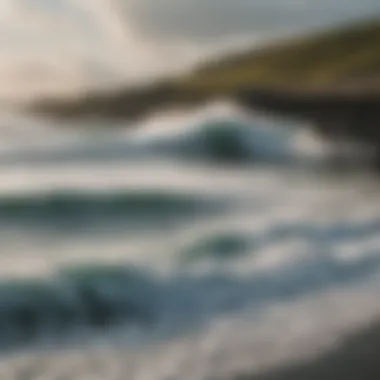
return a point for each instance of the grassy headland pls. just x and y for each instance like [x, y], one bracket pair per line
[337, 57]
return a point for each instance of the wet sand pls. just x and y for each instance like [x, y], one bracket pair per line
[356, 357]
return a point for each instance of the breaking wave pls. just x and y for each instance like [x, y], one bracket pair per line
[204, 138]
[235, 140]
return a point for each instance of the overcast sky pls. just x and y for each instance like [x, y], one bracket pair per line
[45, 43]
[219, 18]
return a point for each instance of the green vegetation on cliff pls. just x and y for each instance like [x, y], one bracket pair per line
[346, 55]
[343, 58]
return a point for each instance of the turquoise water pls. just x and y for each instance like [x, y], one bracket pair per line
[186, 247]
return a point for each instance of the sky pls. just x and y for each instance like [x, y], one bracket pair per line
[60, 46]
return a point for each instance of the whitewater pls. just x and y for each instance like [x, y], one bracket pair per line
[188, 246]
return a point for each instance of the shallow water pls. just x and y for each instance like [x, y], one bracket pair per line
[192, 247]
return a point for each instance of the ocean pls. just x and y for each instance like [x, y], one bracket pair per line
[187, 246]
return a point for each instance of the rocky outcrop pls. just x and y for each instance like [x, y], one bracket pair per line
[337, 114]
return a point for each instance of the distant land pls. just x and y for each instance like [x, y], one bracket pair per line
[331, 78]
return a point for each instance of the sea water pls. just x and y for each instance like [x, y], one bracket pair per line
[190, 246]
